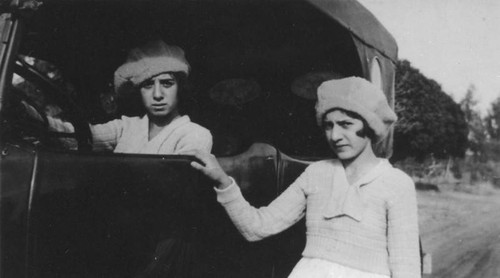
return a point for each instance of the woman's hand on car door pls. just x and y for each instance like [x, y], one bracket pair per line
[210, 167]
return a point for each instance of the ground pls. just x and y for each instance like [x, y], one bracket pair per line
[462, 232]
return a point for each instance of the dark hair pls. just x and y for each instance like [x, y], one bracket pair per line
[366, 131]
[182, 90]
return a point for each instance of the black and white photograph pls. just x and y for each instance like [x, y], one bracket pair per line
[249, 138]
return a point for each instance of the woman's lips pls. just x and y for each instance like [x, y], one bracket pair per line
[159, 106]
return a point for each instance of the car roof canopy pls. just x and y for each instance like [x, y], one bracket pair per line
[350, 14]
[361, 23]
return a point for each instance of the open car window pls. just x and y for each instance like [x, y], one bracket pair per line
[35, 94]
[39, 91]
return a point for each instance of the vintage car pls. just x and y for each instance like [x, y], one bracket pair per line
[69, 211]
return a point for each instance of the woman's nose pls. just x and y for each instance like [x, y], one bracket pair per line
[335, 134]
[157, 93]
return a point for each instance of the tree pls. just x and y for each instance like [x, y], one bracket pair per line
[477, 130]
[430, 121]
[492, 147]
[493, 120]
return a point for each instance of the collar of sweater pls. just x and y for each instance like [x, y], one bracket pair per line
[175, 123]
[345, 198]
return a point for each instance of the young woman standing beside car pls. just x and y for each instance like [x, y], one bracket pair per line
[361, 213]
[157, 72]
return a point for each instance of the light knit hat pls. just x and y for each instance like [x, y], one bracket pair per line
[360, 96]
[148, 61]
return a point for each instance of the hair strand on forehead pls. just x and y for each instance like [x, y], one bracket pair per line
[366, 131]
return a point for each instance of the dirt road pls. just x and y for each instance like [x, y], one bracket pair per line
[462, 232]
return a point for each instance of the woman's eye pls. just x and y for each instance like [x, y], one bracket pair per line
[147, 85]
[167, 83]
[345, 124]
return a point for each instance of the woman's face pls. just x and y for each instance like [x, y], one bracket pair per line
[343, 135]
[159, 95]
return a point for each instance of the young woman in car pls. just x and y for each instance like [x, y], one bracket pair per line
[157, 72]
[361, 213]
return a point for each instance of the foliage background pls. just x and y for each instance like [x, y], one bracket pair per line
[439, 141]
[430, 121]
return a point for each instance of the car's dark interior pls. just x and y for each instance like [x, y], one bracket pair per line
[244, 56]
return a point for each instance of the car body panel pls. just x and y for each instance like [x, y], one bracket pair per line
[133, 216]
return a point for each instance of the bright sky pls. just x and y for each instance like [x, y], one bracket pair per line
[454, 42]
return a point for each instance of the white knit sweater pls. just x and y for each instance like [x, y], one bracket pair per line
[371, 225]
[130, 135]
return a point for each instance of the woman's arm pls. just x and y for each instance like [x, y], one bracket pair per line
[258, 223]
[254, 223]
[402, 234]
[59, 125]
[105, 136]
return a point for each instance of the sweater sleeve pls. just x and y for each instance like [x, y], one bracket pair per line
[402, 234]
[258, 223]
[105, 136]
[59, 125]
